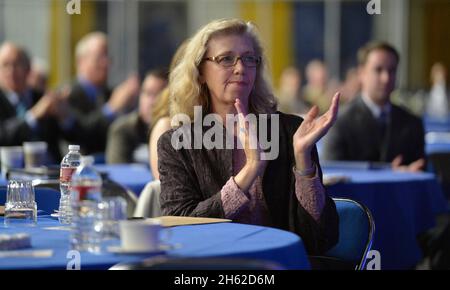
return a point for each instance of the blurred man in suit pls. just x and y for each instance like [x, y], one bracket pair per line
[93, 103]
[26, 115]
[319, 87]
[290, 98]
[371, 128]
[38, 76]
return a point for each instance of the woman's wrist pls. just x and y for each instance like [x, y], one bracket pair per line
[307, 172]
[303, 161]
[252, 164]
[244, 179]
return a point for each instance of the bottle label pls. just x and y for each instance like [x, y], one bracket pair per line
[86, 192]
[66, 174]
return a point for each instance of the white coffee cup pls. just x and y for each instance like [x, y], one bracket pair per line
[35, 154]
[11, 157]
[142, 235]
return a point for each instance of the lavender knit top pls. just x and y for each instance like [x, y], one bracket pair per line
[250, 207]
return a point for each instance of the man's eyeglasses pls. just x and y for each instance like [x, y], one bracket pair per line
[231, 60]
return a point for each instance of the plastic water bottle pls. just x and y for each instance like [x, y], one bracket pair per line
[69, 164]
[86, 193]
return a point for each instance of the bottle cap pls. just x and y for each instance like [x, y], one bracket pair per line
[74, 147]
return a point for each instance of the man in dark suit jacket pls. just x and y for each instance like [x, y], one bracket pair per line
[92, 102]
[25, 115]
[371, 128]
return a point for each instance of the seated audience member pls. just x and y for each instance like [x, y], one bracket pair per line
[38, 76]
[26, 115]
[318, 86]
[223, 70]
[351, 86]
[148, 203]
[128, 133]
[437, 104]
[162, 124]
[94, 105]
[371, 128]
[161, 117]
[289, 95]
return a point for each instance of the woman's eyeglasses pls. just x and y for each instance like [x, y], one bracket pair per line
[231, 60]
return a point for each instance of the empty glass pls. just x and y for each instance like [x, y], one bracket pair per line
[114, 209]
[20, 206]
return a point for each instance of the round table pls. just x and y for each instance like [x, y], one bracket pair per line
[204, 240]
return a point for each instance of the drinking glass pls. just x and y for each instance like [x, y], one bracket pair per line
[114, 209]
[20, 206]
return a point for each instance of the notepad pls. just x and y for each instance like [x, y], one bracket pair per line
[331, 179]
[171, 221]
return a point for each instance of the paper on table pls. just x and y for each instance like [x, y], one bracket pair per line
[330, 179]
[58, 228]
[170, 221]
[26, 254]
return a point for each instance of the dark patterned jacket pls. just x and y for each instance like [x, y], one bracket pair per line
[191, 181]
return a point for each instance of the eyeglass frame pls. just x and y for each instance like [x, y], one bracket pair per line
[236, 58]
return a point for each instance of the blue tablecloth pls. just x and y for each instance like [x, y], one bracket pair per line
[208, 240]
[403, 205]
[436, 125]
[431, 148]
[134, 176]
[437, 142]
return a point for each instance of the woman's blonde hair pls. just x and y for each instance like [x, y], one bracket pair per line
[184, 85]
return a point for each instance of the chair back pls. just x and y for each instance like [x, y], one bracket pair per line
[47, 199]
[148, 204]
[111, 188]
[356, 230]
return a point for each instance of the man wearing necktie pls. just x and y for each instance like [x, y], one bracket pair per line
[371, 128]
[383, 122]
[93, 103]
[25, 115]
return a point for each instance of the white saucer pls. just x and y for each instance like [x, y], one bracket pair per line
[158, 249]
[54, 215]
